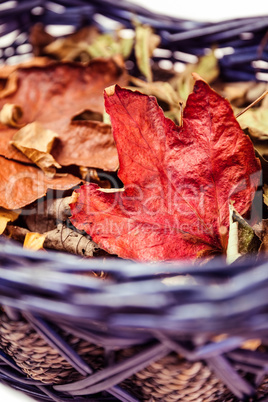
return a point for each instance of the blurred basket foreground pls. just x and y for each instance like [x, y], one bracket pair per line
[145, 333]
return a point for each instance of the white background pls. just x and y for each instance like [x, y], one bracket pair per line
[205, 10]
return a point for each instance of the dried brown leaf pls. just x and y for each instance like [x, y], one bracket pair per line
[87, 143]
[21, 185]
[9, 77]
[52, 95]
[241, 93]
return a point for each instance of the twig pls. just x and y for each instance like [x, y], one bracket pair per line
[253, 103]
[65, 239]
[47, 214]
[61, 239]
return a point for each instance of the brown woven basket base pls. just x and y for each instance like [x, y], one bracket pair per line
[170, 379]
[38, 359]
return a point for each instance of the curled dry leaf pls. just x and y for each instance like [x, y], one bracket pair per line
[21, 185]
[36, 142]
[10, 115]
[52, 95]
[39, 39]
[107, 45]
[241, 93]
[83, 45]
[178, 181]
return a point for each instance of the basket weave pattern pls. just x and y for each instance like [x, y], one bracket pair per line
[171, 378]
[243, 42]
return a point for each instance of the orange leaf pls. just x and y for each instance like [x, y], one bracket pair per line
[52, 95]
[21, 185]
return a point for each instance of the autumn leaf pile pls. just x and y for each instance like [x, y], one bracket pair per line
[92, 165]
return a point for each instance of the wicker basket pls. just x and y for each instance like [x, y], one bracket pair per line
[141, 332]
[145, 333]
[243, 42]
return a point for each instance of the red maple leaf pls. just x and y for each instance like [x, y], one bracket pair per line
[178, 181]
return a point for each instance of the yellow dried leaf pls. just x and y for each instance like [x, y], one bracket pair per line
[163, 91]
[251, 344]
[206, 67]
[10, 115]
[243, 92]
[256, 121]
[34, 241]
[265, 194]
[146, 42]
[74, 197]
[7, 216]
[106, 45]
[74, 46]
[66, 49]
[36, 143]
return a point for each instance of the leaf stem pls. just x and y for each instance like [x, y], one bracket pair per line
[253, 103]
